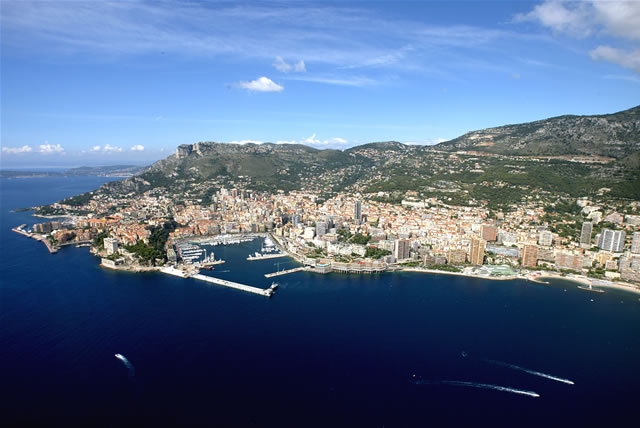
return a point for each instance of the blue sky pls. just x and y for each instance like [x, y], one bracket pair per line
[100, 83]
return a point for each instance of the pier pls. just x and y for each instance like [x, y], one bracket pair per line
[267, 293]
[284, 272]
[267, 256]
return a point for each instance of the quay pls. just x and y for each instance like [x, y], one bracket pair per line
[216, 262]
[52, 248]
[267, 293]
[284, 272]
[175, 272]
[267, 256]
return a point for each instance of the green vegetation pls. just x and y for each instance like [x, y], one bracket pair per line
[157, 241]
[98, 240]
[376, 253]
[145, 252]
[78, 200]
[346, 236]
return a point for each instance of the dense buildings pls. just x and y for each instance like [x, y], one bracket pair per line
[530, 256]
[401, 249]
[489, 232]
[545, 238]
[585, 233]
[357, 211]
[612, 240]
[476, 256]
[416, 232]
[635, 243]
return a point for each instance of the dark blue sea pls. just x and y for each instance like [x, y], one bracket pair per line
[330, 350]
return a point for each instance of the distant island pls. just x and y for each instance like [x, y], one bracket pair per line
[559, 196]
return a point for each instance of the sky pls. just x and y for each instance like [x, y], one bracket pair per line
[126, 82]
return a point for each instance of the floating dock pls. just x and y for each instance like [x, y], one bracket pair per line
[267, 256]
[284, 272]
[267, 293]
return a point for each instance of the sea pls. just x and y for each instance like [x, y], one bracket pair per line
[390, 350]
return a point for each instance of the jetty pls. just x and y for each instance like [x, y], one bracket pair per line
[267, 256]
[284, 272]
[262, 292]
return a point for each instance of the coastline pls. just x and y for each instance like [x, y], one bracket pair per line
[468, 275]
[583, 280]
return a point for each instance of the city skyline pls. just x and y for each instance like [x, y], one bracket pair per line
[114, 83]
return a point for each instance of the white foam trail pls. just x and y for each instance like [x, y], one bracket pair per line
[489, 386]
[476, 385]
[531, 372]
[127, 364]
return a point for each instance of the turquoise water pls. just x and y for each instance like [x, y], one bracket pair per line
[331, 350]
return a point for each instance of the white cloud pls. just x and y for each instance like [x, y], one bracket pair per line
[14, 150]
[95, 149]
[110, 148]
[261, 84]
[581, 19]
[281, 65]
[617, 56]
[620, 18]
[562, 17]
[335, 141]
[137, 148]
[51, 148]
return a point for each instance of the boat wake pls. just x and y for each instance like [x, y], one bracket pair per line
[127, 364]
[531, 372]
[476, 385]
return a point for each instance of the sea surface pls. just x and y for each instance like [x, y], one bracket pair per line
[392, 350]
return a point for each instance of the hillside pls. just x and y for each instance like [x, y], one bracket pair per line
[614, 135]
[564, 156]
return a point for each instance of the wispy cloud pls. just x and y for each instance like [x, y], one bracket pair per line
[621, 57]
[628, 78]
[356, 81]
[281, 65]
[338, 36]
[15, 150]
[261, 84]
[137, 148]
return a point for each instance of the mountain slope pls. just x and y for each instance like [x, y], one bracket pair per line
[614, 135]
[389, 169]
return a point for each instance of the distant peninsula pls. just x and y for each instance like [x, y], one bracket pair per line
[85, 171]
